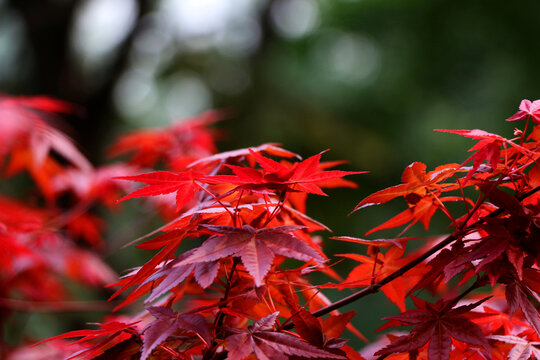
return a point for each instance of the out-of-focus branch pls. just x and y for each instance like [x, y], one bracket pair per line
[54, 306]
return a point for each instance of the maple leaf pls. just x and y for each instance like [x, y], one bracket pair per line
[380, 266]
[21, 121]
[421, 211]
[170, 242]
[516, 296]
[56, 349]
[88, 227]
[301, 176]
[174, 274]
[494, 241]
[165, 182]
[271, 345]
[255, 247]
[96, 342]
[421, 190]
[167, 323]
[270, 148]
[324, 334]
[97, 184]
[487, 149]
[308, 327]
[522, 349]
[178, 144]
[79, 264]
[415, 180]
[437, 325]
[16, 217]
[527, 108]
[492, 320]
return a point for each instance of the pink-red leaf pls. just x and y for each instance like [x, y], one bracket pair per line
[255, 247]
[164, 182]
[527, 108]
[267, 344]
[167, 323]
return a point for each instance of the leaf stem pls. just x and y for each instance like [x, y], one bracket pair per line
[217, 200]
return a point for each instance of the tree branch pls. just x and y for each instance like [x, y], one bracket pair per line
[374, 288]
[54, 306]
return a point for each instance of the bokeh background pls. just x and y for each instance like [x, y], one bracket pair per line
[369, 79]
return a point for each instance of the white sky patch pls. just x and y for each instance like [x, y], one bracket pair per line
[100, 25]
[294, 18]
[203, 24]
[197, 17]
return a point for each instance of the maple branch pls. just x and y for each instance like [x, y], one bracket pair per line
[480, 281]
[223, 301]
[374, 288]
[218, 322]
[54, 306]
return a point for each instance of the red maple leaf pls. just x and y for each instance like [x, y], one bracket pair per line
[517, 297]
[437, 325]
[527, 108]
[255, 247]
[184, 184]
[494, 321]
[301, 176]
[422, 192]
[178, 144]
[96, 342]
[415, 180]
[169, 322]
[487, 149]
[523, 349]
[99, 184]
[22, 122]
[271, 345]
[173, 273]
[373, 269]
[270, 148]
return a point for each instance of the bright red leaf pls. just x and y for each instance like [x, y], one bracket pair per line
[163, 182]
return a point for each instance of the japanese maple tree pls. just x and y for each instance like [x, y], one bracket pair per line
[229, 272]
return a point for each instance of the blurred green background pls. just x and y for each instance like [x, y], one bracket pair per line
[369, 79]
